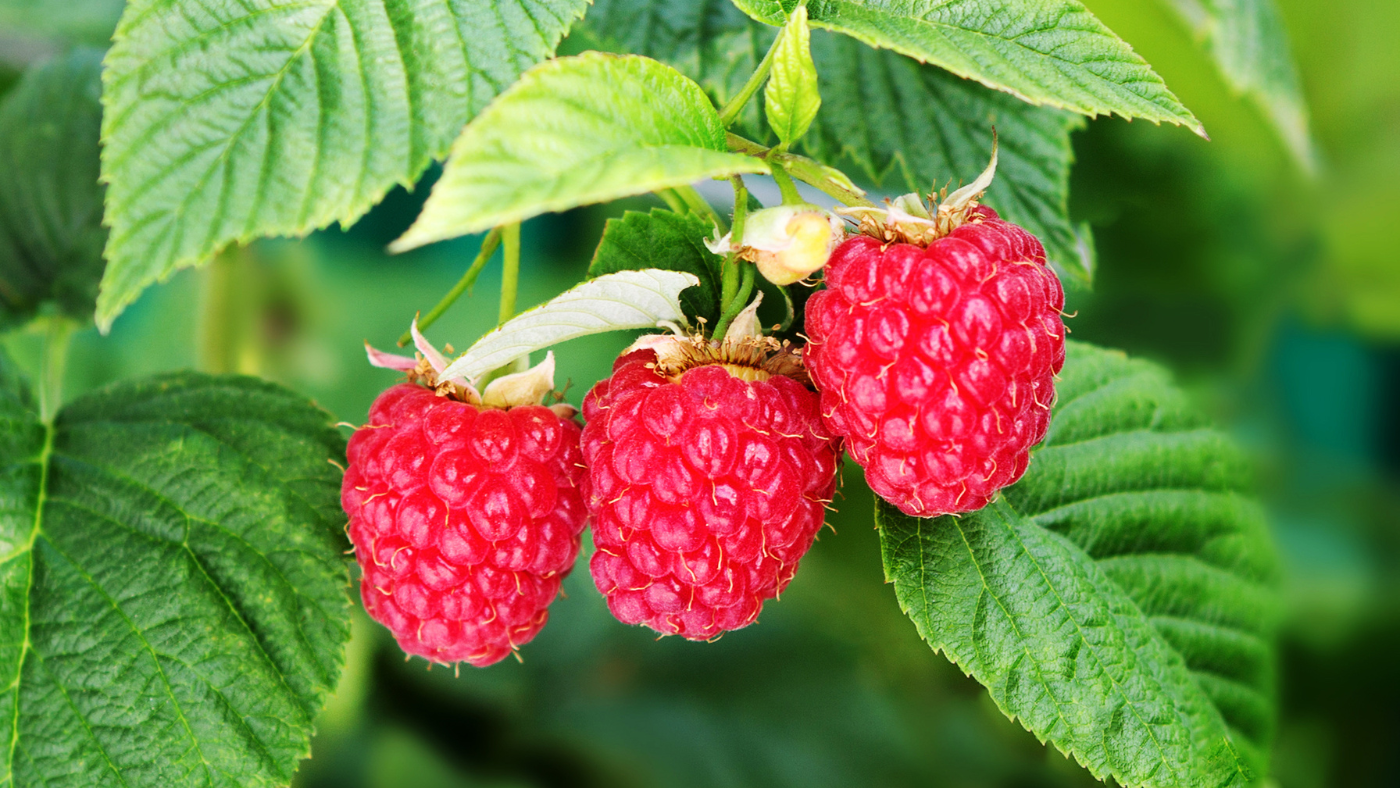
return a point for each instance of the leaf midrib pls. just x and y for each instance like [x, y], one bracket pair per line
[44, 454]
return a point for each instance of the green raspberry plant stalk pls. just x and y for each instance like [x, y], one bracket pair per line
[1055, 518]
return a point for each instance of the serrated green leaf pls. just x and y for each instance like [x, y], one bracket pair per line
[791, 98]
[918, 128]
[173, 607]
[1119, 601]
[1249, 43]
[230, 121]
[576, 131]
[1051, 52]
[51, 233]
[668, 241]
[614, 302]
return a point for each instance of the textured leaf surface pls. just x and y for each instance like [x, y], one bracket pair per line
[910, 126]
[1119, 600]
[615, 302]
[918, 128]
[668, 241]
[173, 606]
[1051, 52]
[791, 98]
[576, 131]
[227, 121]
[1249, 43]
[51, 232]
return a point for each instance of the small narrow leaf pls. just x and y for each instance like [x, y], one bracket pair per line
[667, 241]
[227, 121]
[615, 302]
[51, 232]
[173, 605]
[1052, 52]
[1249, 42]
[576, 131]
[791, 97]
[1120, 600]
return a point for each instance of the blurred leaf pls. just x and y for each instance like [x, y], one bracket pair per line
[1249, 43]
[576, 131]
[229, 121]
[172, 595]
[791, 97]
[614, 302]
[929, 128]
[668, 241]
[1119, 600]
[87, 21]
[51, 232]
[1051, 52]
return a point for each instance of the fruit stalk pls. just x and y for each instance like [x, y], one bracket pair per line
[464, 285]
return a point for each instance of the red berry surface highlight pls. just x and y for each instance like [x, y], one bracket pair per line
[937, 363]
[705, 489]
[464, 519]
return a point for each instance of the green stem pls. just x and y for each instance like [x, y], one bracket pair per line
[464, 285]
[57, 337]
[740, 301]
[510, 271]
[699, 205]
[672, 201]
[735, 105]
[785, 185]
[729, 279]
[806, 170]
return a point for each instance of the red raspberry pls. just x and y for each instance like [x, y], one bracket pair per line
[937, 363]
[464, 518]
[706, 486]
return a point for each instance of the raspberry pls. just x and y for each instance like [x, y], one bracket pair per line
[937, 362]
[465, 519]
[706, 485]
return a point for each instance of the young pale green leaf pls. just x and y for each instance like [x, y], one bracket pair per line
[918, 128]
[51, 232]
[576, 131]
[1119, 601]
[173, 606]
[613, 302]
[229, 121]
[667, 241]
[1051, 52]
[1249, 42]
[791, 98]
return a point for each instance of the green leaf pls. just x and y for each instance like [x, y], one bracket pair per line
[921, 128]
[614, 302]
[1119, 601]
[1051, 52]
[173, 606]
[51, 232]
[668, 241]
[1249, 42]
[229, 121]
[791, 97]
[88, 21]
[576, 131]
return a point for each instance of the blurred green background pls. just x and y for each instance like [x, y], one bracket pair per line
[1273, 295]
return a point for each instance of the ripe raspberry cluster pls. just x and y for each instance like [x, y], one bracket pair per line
[705, 487]
[464, 520]
[937, 362]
